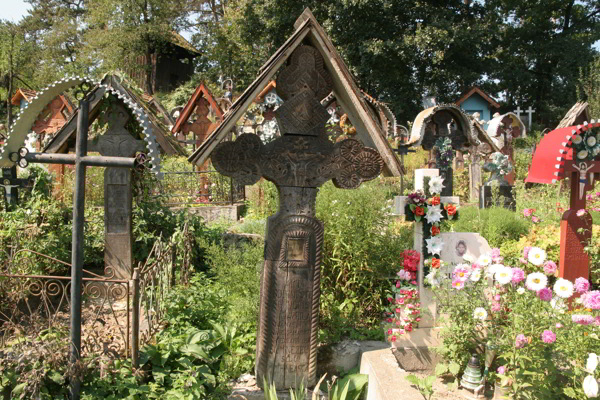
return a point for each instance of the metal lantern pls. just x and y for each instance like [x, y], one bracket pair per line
[472, 378]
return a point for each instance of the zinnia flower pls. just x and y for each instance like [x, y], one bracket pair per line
[545, 294]
[563, 288]
[548, 336]
[536, 281]
[591, 299]
[460, 273]
[458, 285]
[536, 256]
[480, 313]
[520, 341]
[517, 275]
[592, 363]
[583, 319]
[590, 386]
[582, 285]
[549, 267]
[503, 275]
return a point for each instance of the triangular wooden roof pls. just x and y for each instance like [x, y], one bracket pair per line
[579, 113]
[21, 93]
[346, 91]
[480, 92]
[168, 145]
[200, 92]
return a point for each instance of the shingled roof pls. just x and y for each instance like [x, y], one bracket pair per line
[346, 91]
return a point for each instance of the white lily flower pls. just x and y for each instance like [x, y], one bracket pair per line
[590, 386]
[592, 363]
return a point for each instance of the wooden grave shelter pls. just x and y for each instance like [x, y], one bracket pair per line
[577, 115]
[347, 93]
[503, 129]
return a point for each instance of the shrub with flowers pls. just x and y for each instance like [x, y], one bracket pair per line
[536, 328]
[403, 312]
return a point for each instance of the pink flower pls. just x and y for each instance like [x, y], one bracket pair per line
[523, 261]
[458, 285]
[520, 341]
[535, 219]
[581, 212]
[528, 211]
[501, 370]
[518, 275]
[526, 251]
[461, 274]
[389, 320]
[497, 297]
[389, 331]
[496, 257]
[548, 336]
[389, 299]
[393, 338]
[398, 284]
[496, 306]
[582, 319]
[558, 325]
[591, 299]
[475, 265]
[550, 267]
[545, 294]
[582, 285]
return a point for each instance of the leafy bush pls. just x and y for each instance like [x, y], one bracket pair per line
[496, 224]
[360, 251]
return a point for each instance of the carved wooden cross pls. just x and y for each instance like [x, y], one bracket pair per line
[576, 231]
[298, 163]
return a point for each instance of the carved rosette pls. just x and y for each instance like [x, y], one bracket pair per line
[357, 164]
[239, 159]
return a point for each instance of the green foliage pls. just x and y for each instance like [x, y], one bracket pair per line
[589, 82]
[349, 387]
[360, 251]
[496, 224]
[425, 384]
[263, 200]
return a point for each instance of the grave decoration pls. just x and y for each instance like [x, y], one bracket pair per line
[487, 146]
[443, 121]
[572, 152]
[504, 129]
[297, 163]
[500, 166]
[13, 153]
[10, 183]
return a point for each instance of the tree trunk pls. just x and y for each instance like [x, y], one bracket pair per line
[149, 69]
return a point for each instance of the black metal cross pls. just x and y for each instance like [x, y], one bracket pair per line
[81, 160]
[11, 183]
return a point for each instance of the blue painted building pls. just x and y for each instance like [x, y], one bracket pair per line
[476, 100]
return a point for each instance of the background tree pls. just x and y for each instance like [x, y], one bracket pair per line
[589, 86]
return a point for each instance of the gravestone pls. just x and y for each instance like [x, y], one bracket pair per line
[297, 163]
[118, 196]
[497, 191]
[459, 244]
[425, 294]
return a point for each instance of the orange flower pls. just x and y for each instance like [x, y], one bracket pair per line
[419, 211]
[436, 263]
[435, 230]
[435, 200]
[450, 209]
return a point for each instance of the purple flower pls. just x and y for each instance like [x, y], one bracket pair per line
[545, 294]
[591, 299]
[582, 319]
[518, 275]
[582, 285]
[548, 336]
[501, 370]
[526, 252]
[550, 267]
[520, 341]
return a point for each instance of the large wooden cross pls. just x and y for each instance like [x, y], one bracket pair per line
[81, 160]
[576, 231]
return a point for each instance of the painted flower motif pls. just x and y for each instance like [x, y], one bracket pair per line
[550, 267]
[475, 275]
[563, 288]
[460, 274]
[536, 256]
[503, 275]
[435, 245]
[436, 184]
[536, 281]
[518, 275]
[434, 214]
[590, 386]
[592, 363]
[582, 155]
[591, 299]
[548, 336]
[545, 294]
[480, 313]
[582, 285]
[576, 139]
[581, 212]
[590, 141]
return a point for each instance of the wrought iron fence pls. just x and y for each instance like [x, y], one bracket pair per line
[198, 187]
[118, 315]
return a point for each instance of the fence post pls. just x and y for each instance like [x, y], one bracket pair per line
[173, 263]
[135, 318]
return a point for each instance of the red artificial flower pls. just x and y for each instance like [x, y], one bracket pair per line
[450, 209]
[435, 200]
[436, 263]
[435, 230]
[419, 211]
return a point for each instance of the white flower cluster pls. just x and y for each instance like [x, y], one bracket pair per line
[590, 384]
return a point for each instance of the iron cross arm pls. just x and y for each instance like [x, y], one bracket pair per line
[24, 157]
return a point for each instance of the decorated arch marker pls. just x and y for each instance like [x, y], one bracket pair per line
[574, 153]
[13, 153]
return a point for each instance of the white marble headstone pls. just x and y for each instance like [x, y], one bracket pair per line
[458, 244]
